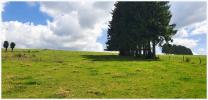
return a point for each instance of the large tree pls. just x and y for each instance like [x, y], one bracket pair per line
[137, 27]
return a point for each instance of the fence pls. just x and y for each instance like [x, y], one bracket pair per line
[194, 59]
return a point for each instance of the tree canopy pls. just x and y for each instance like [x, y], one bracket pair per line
[176, 49]
[137, 27]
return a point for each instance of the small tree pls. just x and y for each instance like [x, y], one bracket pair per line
[6, 45]
[12, 45]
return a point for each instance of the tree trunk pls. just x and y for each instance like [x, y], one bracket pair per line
[139, 50]
[199, 60]
[6, 49]
[130, 52]
[136, 52]
[144, 51]
[124, 52]
[127, 53]
[12, 49]
[153, 49]
[148, 48]
[121, 53]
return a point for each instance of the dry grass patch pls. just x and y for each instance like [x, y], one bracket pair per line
[61, 93]
[118, 75]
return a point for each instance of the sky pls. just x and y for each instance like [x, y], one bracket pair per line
[79, 25]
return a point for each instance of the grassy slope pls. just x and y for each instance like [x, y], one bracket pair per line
[58, 74]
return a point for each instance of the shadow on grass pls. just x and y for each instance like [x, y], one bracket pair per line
[115, 58]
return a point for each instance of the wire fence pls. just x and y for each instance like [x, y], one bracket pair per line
[193, 59]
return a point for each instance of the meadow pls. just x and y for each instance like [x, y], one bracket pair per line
[33, 73]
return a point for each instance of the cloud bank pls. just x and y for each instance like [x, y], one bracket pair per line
[186, 13]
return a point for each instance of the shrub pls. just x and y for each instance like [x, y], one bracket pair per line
[19, 55]
[187, 60]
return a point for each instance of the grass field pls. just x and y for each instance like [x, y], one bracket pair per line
[70, 74]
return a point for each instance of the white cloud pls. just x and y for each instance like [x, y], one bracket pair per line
[194, 53]
[80, 22]
[190, 43]
[199, 28]
[32, 3]
[27, 35]
[193, 29]
[56, 9]
[2, 4]
[182, 33]
[88, 13]
[202, 51]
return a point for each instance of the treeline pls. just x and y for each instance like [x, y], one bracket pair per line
[137, 27]
[6, 45]
[176, 49]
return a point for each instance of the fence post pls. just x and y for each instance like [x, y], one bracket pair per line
[199, 60]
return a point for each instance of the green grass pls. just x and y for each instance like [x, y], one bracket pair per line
[70, 74]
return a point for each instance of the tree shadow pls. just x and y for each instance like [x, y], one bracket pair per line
[115, 58]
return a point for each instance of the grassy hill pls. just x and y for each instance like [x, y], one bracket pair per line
[70, 74]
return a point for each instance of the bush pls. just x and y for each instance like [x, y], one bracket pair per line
[187, 60]
[33, 55]
[19, 55]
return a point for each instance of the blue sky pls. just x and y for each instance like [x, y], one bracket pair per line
[24, 12]
[84, 27]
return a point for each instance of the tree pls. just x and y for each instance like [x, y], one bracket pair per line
[6, 45]
[137, 27]
[12, 45]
